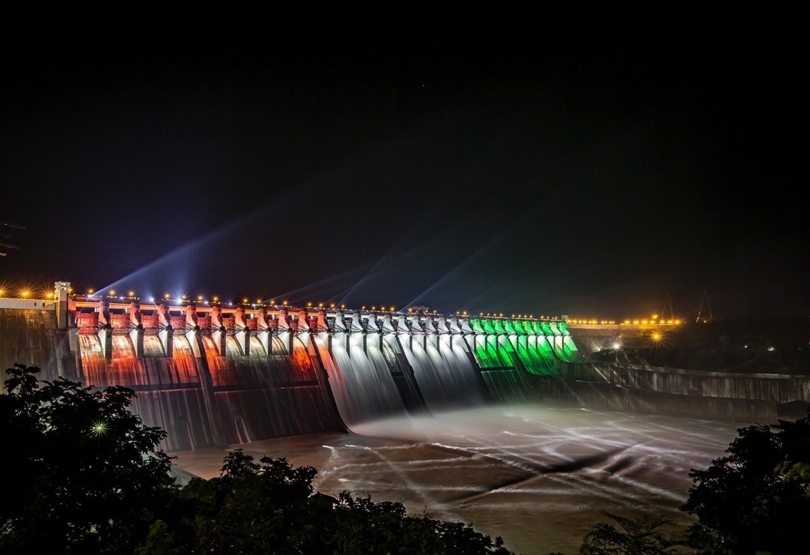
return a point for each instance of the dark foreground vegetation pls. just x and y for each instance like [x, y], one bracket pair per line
[81, 474]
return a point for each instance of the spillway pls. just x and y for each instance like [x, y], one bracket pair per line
[364, 387]
[443, 368]
[220, 375]
[217, 375]
[226, 376]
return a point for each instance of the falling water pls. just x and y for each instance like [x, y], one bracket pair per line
[443, 370]
[361, 381]
[94, 365]
[263, 395]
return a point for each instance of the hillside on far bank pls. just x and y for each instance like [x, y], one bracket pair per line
[773, 345]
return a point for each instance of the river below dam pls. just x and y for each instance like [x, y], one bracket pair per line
[540, 477]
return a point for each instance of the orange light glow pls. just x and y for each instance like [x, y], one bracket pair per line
[656, 338]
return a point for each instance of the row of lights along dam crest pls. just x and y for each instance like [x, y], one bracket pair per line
[116, 303]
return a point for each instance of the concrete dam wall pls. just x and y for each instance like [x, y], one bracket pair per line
[722, 395]
[214, 375]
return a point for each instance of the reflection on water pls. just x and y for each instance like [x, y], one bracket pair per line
[539, 477]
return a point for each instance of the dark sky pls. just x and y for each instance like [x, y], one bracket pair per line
[521, 178]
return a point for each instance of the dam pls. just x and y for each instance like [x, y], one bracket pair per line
[503, 422]
[214, 374]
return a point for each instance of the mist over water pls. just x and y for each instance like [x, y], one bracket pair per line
[538, 476]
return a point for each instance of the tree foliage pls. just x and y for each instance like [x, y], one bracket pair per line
[754, 499]
[639, 536]
[82, 474]
[253, 507]
[269, 507]
[363, 526]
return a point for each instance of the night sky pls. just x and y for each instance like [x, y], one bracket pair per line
[526, 178]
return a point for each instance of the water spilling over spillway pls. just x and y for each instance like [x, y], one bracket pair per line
[218, 375]
[213, 375]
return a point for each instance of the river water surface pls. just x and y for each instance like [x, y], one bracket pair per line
[540, 477]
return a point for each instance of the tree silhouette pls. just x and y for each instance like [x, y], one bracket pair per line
[83, 474]
[268, 507]
[755, 499]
